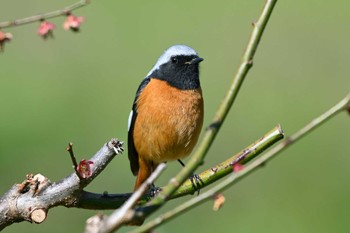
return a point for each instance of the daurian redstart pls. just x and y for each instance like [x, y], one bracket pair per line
[167, 113]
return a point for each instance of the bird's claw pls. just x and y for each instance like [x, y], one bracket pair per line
[154, 190]
[196, 182]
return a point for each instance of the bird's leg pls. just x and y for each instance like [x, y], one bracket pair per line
[194, 178]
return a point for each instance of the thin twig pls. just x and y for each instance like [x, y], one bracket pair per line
[235, 177]
[74, 160]
[339, 107]
[44, 16]
[71, 153]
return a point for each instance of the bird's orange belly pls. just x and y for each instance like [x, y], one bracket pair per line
[169, 122]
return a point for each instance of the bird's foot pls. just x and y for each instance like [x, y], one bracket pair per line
[197, 182]
[154, 190]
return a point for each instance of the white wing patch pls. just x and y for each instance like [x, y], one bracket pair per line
[129, 120]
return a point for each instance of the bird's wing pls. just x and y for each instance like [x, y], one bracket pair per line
[132, 153]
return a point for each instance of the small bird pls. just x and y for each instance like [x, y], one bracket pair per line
[167, 113]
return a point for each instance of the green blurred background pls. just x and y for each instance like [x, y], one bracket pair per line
[79, 88]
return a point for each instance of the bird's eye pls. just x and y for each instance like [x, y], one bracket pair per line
[173, 60]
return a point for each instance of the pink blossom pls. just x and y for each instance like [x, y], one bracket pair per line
[4, 37]
[85, 168]
[237, 167]
[46, 29]
[73, 23]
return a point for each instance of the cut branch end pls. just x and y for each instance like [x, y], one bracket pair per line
[38, 215]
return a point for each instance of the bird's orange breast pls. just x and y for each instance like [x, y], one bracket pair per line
[168, 123]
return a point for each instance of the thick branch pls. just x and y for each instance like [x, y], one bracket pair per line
[36, 195]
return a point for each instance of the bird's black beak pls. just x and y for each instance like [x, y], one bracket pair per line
[194, 61]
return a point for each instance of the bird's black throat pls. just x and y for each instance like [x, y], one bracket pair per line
[179, 73]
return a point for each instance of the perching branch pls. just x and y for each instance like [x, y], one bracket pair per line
[343, 105]
[217, 172]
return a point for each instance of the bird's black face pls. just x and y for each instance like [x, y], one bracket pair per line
[181, 72]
